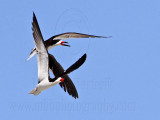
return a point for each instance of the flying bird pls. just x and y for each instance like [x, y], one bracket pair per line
[44, 80]
[57, 70]
[57, 40]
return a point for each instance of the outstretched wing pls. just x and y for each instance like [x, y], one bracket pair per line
[42, 56]
[63, 73]
[76, 65]
[57, 70]
[75, 35]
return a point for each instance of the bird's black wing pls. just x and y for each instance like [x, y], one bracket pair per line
[76, 65]
[58, 70]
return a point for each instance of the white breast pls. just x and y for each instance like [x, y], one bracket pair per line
[45, 84]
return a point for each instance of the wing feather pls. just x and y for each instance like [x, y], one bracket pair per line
[75, 35]
[42, 56]
[57, 70]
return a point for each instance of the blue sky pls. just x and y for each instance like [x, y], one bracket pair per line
[120, 79]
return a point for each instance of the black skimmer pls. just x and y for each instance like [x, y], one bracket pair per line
[44, 80]
[57, 70]
[57, 40]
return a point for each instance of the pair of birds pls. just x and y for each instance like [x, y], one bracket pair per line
[47, 61]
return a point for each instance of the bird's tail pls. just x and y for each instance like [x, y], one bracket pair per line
[33, 52]
[34, 91]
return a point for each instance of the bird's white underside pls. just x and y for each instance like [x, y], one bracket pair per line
[43, 85]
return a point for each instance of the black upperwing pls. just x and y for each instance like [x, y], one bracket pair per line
[76, 65]
[58, 71]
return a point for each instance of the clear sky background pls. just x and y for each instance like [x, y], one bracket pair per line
[120, 79]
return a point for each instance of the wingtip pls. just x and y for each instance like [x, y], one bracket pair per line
[84, 56]
[106, 36]
[109, 37]
[34, 16]
[33, 13]
[76, 97]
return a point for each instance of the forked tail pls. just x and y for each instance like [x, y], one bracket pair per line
[33, 52]
[34, 91]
